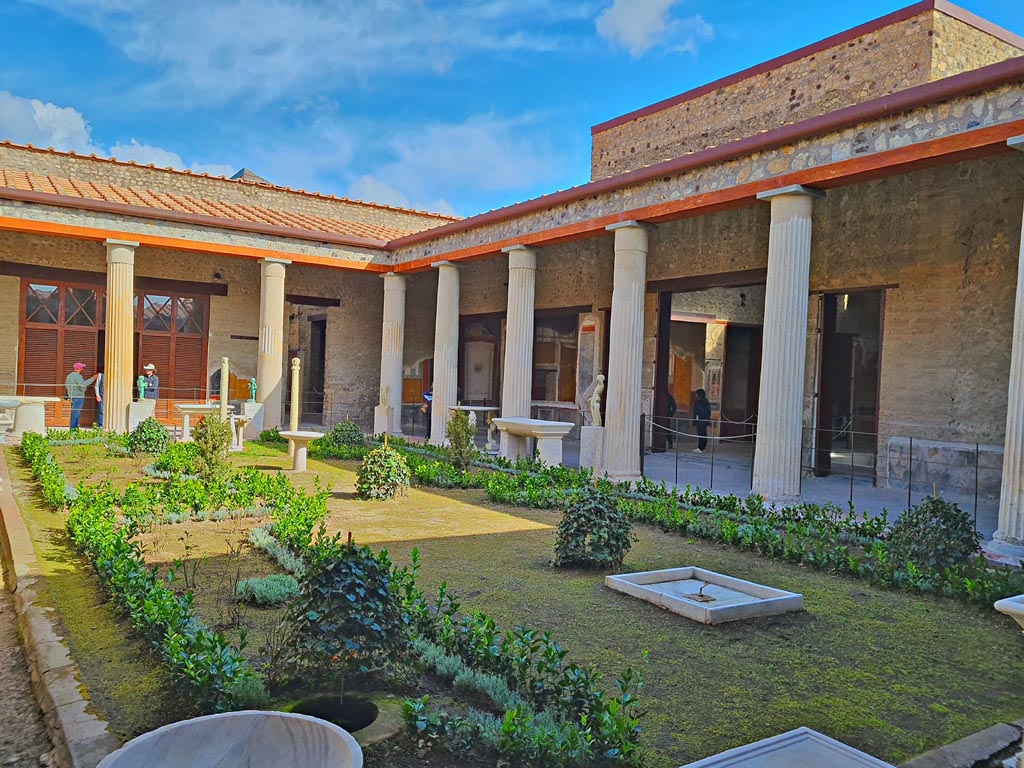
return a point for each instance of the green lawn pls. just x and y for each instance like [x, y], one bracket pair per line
[888, 672]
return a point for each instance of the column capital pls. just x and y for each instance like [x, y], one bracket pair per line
[439, 264]
[124, 243]
[793, 189]
[521, 257]
[393, 281]
[630, 224]
[274, 260]
[1016, 142]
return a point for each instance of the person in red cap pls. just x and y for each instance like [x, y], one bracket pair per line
[75, 386]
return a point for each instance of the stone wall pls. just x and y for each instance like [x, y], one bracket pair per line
[911, 52]
[177, 182]
[10, 302]
[730, 305]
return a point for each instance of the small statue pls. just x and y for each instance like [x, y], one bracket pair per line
[252, 390]
[595, 401]
[141, 384]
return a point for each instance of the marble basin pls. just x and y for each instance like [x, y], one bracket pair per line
[252, 739]
[1012, 606]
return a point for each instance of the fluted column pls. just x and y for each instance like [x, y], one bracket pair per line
[270, 360]
[1011, 495]
[446, 350]
[626, 351]
[517, 373]
[387, 416]
[119, 352]
[784, 346]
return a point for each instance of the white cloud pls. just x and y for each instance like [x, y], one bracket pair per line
[260, 50]
[163, 158]
[30, 121]
[639, 25]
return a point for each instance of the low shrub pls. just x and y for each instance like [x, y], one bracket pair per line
[383, 474]
[272, 436]
[934, 535]
[297, 515]
[593, 533]
[276, 589]
[150, 436]
[461, 451]
[178, 459]
[212, 438]
[347, 434]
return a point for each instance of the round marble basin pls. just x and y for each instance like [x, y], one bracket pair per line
[252, 739]
[1012, 606]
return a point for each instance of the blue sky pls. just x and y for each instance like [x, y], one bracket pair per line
[459, 107]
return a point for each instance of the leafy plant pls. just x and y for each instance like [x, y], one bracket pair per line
[461, 450]
[178, 459]
[934, 535]
[383, 474]
[272, 436]
[276, 589]
[593, 533]
[150, 436]
[212, 438]
[347, 434]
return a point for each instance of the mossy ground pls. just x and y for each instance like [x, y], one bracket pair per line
[888, 672]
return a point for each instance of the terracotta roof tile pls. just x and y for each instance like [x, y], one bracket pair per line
[180, 203]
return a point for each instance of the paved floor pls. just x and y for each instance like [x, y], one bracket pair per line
[23, 739]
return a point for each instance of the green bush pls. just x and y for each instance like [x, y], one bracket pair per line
[593, 533]
[149, 437]
[348, 617]
[179, 459]
[461, 450]
[934, 535]
[213, 440]
[275, 589]
[383, 474]
[272, 436]
[347, 434]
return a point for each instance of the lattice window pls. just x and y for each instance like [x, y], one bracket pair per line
[156, 313]
[42, 304]
[190, 315]
[80, 307]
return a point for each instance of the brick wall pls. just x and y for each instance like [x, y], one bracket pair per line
[10, 288]
[912, 52]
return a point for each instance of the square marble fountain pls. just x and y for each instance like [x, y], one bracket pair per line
[706, 596]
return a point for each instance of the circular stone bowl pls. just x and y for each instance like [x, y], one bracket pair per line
[250, 739]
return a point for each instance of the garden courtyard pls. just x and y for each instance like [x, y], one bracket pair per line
[893, 672]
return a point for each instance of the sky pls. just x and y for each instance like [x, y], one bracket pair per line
[454, 107]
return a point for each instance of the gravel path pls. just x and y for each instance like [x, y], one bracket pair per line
[23, 739]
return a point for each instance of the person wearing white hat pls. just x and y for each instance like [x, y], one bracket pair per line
[152, 382]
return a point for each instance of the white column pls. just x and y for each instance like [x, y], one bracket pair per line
[626, 352]
[517, 375]
[784, 345]
[270, 360]
[225, 377]
[446, 350]
[119, 353]
[295, 407]
[1009, 537]
[387, 416]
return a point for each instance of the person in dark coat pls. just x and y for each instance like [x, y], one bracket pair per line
[672, 409]
[702, 419]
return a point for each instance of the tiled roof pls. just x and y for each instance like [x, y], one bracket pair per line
[243, 180]
[189, 204]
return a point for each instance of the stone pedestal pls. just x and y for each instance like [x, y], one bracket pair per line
[446, 350]
[295, 407]
[139, 411]
[301, 440]
[625, 357]
[270, 358]
[592, 448]
[517, 373]
[225, 373]
[253, 413]
[30, 415]
[1010, 533]
[119, 350]
[784, 350]
[387, 417]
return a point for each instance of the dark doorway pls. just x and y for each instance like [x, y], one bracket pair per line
[741, 385]
[848, 382]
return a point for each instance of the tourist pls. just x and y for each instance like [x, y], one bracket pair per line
[426, 408]
[152, 382]
[672, 409]
[701, 420]
[98, 386]
[75, 386]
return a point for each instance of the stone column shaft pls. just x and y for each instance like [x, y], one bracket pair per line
[1011, 493]
[784, 346]
[119, 353]
[225, 394]
[446, 350]
[270, 359]
[388, 417]
[625, 354]
[517, 372]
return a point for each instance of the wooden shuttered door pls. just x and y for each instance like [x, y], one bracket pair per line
[81, 345]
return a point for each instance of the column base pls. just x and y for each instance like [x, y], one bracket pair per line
[1001, 552]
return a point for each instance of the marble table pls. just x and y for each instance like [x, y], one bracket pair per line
[30, 414]
[301, 440]
[249, 739]
[549, 436]
[188, 410]
[487, 410]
